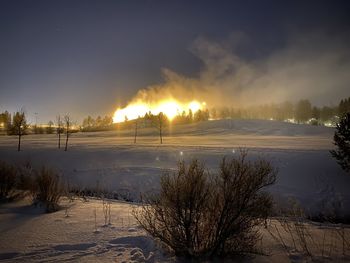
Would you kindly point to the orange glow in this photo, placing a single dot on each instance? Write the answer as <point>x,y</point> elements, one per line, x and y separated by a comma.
<point>169,108</point>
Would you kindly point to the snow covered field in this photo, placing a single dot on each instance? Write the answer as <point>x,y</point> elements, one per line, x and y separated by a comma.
<point>111,161</point>
<point>28,235</point>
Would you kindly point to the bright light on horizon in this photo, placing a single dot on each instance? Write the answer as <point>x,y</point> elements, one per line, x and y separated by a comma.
<point>170,108</point>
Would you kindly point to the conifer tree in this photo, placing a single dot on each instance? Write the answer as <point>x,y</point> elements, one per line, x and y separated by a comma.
<point>342,141</point>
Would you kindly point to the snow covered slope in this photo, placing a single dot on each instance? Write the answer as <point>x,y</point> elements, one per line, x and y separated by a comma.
<point>110,160</point>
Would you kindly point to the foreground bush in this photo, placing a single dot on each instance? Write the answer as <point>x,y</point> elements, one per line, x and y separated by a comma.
<point>7,179</point>
<point>26,177</point>
<point>199,215</point>
<point>47,189</point>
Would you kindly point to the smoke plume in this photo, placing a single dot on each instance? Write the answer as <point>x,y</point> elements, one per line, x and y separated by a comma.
<point>314,66</point>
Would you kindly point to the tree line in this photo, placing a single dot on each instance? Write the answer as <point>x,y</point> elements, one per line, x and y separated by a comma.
<point>98,124</point>
<point>106,123</point>
<point>17,125</point>
<point>300,112</point>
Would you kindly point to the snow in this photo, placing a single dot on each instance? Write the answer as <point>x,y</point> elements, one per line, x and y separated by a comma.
<point>29,235</point>
<point>111,161</point>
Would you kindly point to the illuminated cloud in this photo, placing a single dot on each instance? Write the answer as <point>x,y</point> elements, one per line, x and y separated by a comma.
<point>314,66</point>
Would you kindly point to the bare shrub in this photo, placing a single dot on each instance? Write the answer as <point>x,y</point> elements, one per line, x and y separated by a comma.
<point>48,189</point>
<point>199,215</point>
<point>26,176</point>
<point>297,235</point>
<point>7,179</point>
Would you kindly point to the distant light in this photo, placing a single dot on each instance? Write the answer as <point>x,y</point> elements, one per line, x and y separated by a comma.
<point>233,151</point>
<point>194,106</point>
<point>181,153</point>
<point>169,107</point>
<point>157,158</point>
<point>292,120</point>
<point>329,124</point>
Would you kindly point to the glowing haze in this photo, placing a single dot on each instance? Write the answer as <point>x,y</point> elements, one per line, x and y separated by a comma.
<point>314,66</point>
<point>169,108</point>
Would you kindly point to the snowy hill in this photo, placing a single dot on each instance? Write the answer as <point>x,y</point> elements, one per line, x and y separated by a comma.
<point>111,160</point>
<point>245,127</point>
<point>257,127</point>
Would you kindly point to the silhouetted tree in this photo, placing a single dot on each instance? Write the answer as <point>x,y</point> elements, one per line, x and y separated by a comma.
<point>224,113</point>
<point>59,130</point>
<point>160,126</point>
<point>190,116</point>
<point>19,126</point>
<point>49,128</point>
<point>38,129</point>
<point>157,121</point>
<point>180,118</point>
<point>287,110</point>
<point>5,121</point>
<point>344,107</point>
<point>98,121</point>
<point>107,121</point>
<point>200,115</point>
<point>88,122</point>
<point>326,113</point>
<point>68,123</point>
<point>342,141</point>
<point>135,135</point>
<point>303,111</point>
<point>100,124</point>
<point>316,113</point>
<point>197,116</point>
<point>213,113</point>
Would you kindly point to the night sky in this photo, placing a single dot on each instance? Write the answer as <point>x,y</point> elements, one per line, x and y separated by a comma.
<point>88,57</point>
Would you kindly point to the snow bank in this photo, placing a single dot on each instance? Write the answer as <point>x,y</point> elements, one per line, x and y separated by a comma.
<point>28,235</point>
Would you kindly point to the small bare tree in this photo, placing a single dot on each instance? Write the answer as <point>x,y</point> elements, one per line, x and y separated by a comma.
<point>68,124</point>
<point>136,122</point>
<point>160,126</point>
<point>59,130</point>
<point>158,121</point>
<point>19,126</point>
